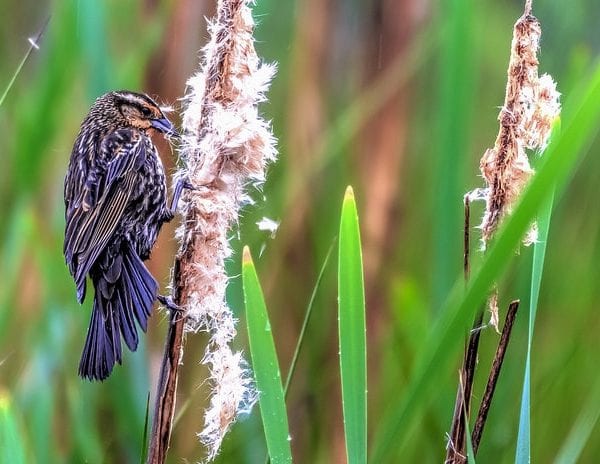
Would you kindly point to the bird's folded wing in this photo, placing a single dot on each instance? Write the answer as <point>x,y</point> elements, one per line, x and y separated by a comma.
<point>90,228</point>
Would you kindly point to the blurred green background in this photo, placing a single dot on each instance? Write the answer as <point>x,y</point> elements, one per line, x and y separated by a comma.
<point>398,98</point>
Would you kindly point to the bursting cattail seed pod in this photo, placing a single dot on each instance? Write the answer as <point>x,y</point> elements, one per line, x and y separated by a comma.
<point>530,108</point>
<point>226,147</point>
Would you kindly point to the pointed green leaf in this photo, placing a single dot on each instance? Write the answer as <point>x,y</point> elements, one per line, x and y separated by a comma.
<point>353,349</point>
<point>266,367</point>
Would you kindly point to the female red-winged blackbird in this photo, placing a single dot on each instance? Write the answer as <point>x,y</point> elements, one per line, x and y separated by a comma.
<point>115,200</point>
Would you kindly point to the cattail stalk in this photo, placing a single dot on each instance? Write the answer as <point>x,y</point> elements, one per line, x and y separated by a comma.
<point>531,106</point>
<point>226,147</point>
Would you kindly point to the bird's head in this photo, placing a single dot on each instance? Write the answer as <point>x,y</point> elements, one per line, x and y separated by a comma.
<point>140,111</point>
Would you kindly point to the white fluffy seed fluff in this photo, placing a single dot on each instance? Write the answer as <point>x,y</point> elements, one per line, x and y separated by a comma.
<point>226,147</point>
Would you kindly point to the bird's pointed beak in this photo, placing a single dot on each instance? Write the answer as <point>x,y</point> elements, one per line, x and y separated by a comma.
<point>165,126</point>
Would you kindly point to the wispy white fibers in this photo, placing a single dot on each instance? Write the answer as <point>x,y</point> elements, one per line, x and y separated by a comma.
<point>226,147</point>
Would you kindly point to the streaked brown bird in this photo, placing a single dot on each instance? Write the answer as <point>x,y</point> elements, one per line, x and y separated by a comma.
<point>115,205</point>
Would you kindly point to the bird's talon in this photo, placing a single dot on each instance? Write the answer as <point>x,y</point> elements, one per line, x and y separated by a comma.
<point>167,302</point>
<point>186,184</point>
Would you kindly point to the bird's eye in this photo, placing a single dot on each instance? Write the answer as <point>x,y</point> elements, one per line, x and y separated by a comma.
<point>146,112</point>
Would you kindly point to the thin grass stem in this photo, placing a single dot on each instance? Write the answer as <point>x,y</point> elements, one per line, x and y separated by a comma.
<point>33,45</point>
<point>309,309</point>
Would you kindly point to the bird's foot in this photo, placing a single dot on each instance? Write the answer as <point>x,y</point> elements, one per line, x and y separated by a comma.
<point>181,184</point>
<point>167,302</point>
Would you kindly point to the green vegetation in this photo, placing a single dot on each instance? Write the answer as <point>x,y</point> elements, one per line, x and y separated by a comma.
<point>265,367</point>
<point>352,332</point>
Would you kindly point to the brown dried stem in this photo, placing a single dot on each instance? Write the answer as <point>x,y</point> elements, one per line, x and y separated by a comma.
<point>456,445</point>
<point>494,374</point>
<point>529,110</point>
<point>164,408</point>
<point>467,239</point>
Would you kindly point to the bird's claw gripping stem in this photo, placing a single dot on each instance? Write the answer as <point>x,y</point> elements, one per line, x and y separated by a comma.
<point>167,301</point>
<point>181,184</point>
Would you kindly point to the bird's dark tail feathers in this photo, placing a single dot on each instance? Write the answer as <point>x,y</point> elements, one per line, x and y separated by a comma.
<point>125,292</point>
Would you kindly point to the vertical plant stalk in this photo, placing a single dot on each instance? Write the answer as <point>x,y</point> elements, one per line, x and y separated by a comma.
<point>490,387</point>
<point>467,240</point>
<point>226,146</point>
<point>166,389</point>
<point>455,452</point>
<point>462,407</point>
<point>526,118</point>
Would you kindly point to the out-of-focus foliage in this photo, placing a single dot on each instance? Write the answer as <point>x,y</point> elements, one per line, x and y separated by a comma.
<point>398,99</point>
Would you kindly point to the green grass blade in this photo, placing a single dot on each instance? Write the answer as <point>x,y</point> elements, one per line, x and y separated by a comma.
<point>470,451</point>
<point>523,454</point>
<point>265,365</point>
<point>453,120</point>
<point>144,447</point>
<point>301,336</point>
<point>582,120</point>
<point>353,350</point>
<point>12,446</point>
<point>582,429</point>
<point>307,315</point>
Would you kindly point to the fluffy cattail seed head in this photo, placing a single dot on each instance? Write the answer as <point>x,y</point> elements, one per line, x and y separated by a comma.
<point>530,108</point>
<point>226,147</point>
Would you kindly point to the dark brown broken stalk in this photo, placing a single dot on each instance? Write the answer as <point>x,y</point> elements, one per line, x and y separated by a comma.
<point>490,387</point>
